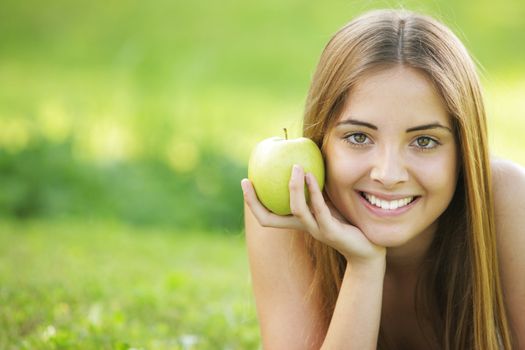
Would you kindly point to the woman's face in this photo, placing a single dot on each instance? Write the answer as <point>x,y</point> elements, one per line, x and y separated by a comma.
<point>391,157</point>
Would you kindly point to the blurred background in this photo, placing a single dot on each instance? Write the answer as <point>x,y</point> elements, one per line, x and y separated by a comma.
<point>125,129</point>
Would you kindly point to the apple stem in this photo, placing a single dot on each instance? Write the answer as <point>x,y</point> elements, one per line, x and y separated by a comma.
<point>285,133</point>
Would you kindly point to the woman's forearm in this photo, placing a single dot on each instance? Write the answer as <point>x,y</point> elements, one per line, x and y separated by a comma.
<point>357,315</point>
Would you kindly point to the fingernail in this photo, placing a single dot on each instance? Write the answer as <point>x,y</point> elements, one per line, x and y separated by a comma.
<point>243,185</point>
<point>311,180</point>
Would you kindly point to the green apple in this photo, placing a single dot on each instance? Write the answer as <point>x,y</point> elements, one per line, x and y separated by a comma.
<point>270,169</point>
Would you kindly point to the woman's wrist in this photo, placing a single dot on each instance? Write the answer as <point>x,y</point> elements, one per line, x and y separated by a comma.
<point>369,266</point>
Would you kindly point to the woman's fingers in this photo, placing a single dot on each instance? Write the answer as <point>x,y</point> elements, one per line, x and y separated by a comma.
<point>264,216</point>
<point>335,213</point>
<point>298,204</point>
<point>320,210</point>
<point>317,202</point>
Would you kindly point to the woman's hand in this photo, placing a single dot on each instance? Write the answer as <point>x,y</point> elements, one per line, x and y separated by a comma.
<point>320,219</point>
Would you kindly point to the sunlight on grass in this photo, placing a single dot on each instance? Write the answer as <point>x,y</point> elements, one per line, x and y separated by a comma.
<point>105,286</point>
<point>107,139</point>
<point>15,134</point>
<point>54,122</point>
<point>182,154</point>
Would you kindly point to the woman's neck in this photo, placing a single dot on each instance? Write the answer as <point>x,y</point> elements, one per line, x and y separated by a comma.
<point>407,260</point>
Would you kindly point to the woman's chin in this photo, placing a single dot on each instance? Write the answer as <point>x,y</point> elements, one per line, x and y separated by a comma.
<point>388,236</point>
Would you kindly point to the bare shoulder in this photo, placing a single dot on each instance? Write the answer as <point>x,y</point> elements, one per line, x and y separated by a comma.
<point>509,188</point>
<point>509,207</point>
<point>509,203</point>
<point>282,271</point>
<point>507,175</point>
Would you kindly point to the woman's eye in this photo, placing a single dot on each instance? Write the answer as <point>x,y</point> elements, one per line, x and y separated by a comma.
<point>426,142</point>
<point>358,139</point>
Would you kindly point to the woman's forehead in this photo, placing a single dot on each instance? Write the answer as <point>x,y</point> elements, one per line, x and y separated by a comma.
<point>395,94</point>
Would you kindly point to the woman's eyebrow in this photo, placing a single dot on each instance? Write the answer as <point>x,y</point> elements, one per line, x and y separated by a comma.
<point>357,122</point>
<point>352,121</point>
<point>429,126</point>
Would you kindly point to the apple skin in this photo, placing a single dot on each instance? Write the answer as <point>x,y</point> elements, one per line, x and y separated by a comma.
<point>270,169</point>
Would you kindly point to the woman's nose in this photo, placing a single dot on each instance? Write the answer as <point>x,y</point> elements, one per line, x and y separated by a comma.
<point>389,169</point>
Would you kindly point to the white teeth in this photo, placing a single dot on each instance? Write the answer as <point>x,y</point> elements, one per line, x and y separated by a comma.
<point>388,205</point>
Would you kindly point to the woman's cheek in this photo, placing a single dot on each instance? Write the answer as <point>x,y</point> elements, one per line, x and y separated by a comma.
<point>438,173</point>
<point>342,177</point>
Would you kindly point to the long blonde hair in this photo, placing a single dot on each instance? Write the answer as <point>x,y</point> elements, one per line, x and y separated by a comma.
<point>462,279</point>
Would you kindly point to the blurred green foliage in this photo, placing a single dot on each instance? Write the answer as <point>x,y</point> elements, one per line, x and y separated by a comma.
<point>146,111</point>
<point>45,180</point>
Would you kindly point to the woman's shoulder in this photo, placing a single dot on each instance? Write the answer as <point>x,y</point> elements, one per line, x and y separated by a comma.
<point>508,180</point>
<point>504,167</point>
<point>509,209</point>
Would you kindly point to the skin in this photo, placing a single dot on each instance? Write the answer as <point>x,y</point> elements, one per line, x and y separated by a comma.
<point>509,182</point>
<point>381,144</point>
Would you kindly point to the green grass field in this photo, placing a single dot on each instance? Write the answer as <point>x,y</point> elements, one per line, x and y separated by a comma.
<point>76,285</point>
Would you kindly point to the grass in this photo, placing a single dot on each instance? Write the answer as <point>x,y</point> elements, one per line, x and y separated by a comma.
<point>107,286</point>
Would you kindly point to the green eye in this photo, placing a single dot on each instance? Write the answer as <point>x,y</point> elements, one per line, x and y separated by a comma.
<point>359,138</point>
<point>423,141</point>
<point>426,142</point>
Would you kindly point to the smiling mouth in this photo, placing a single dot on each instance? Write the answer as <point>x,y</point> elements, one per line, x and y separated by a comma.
<point>388,205</point>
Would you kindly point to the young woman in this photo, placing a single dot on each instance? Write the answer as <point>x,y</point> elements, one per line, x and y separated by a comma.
<point>416,241</point>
